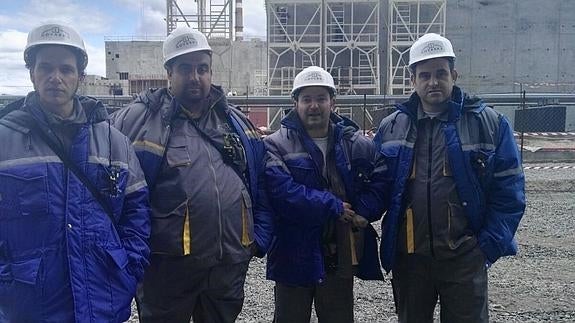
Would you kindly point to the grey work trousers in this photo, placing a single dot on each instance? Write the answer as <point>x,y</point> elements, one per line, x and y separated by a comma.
<point>460,283</point>
<point>333,300</point>
<point>173,291</point>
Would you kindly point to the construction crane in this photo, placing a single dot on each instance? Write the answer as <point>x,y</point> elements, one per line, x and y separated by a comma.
<point>214,18</point>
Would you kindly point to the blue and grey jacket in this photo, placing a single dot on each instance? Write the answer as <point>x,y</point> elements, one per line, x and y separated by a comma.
<point>485,164</point>
<point>62,258</point>
<point>201,207</point>
<point>303,204</point>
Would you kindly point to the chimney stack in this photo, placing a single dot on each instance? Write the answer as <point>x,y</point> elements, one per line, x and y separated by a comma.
<point>239,20</point>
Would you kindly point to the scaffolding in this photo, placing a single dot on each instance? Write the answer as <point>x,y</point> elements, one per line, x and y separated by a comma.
<point>212,17</point>
<point>260,82</point>
<point>408,20</point>
<point>338,35</point>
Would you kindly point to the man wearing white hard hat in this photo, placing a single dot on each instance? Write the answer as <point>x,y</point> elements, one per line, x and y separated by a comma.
<point>325,187</point>
<point>458,195</point>
<point>202,158</point>
<point>74,212</point>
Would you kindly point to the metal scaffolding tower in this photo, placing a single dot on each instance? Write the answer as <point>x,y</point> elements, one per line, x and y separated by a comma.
<point>339,35</point>
<point>211,17</point>
<point>408,20</point>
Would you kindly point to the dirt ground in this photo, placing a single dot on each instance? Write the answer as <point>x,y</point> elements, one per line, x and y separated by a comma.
<point>537,285</point>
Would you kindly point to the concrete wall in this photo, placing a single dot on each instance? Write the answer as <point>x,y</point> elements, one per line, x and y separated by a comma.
<point>142,59</point>
<point>95,85</point>
<point>234,64</point>
<point>502,43</point>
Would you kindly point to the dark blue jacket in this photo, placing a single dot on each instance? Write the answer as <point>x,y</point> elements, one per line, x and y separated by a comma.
<point>485,164</point>
<point>303,204</point>
<point>62,259</point>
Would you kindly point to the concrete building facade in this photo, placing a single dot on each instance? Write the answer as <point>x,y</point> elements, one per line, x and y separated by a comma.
<point>502,46</point>
<point>95,85</point>
<point>239,66</point>
<point>136,61</point>
<point>505,45</point>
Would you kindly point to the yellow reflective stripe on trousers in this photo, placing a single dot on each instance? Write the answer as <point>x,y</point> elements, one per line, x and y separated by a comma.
<point>187,239</point>
<point>354,260</point>
<point>245,230</point>
<point>409,227</point>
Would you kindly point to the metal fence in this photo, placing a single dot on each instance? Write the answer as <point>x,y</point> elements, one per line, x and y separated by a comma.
<point>527,112</point>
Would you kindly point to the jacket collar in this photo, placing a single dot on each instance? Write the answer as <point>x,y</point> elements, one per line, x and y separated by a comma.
<point>94,109</point>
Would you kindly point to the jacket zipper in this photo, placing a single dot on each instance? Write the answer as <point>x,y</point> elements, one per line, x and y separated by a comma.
<point>220,225</point>
<point>429,161</point>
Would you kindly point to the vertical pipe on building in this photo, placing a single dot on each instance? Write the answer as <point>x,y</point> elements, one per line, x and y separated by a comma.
<point>169,16</point>
<point>202,16</point>
<point>239,20</point>
<point>323,34</point>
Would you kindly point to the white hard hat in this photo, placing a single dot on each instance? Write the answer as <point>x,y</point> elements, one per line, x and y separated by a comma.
<point>430,46</point>
<point>184,40</point>
<point>313,76</point>
<point>55,34</point>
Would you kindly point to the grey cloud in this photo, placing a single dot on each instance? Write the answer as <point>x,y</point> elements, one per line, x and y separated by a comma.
<point>84,17</point>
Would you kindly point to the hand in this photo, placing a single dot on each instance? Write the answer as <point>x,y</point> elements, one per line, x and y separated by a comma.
<point>348,213</point>
<point>359,221</point>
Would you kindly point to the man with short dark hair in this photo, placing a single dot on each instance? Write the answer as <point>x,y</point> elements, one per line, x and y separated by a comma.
<point>74,212</point>
<point>202,158</point>
<point>458,195</point>
<point>325,187</point>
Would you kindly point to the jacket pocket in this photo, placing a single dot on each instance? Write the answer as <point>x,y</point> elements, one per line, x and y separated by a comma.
<point>177,154</point>
<point>390,155</point>
<point>457,226</point>
<point>119,256</point>
<point>111,182</point>
<point>22,271</point>
<point>168,230</point>
<point>23,194</point>
<point>482,162</point>
<point>304,175</point>
<point>111,284</point>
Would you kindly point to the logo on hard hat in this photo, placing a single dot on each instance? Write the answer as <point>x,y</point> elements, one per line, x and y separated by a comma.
<point>55,32</point>
<point>313,76</point>
<point>187,41</point>
<point>432,47</point>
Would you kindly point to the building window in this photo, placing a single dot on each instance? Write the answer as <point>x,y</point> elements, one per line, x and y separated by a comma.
<point>123,75</point>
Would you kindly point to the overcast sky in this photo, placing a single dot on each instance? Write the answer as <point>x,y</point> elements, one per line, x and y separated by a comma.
<point>94,20</point>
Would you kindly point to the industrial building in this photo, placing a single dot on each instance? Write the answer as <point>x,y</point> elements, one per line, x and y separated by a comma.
<point>140,64</point>
<point>502,46</point>
<point>239,65</point>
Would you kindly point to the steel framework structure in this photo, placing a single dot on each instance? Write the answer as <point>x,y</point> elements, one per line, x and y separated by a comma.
<point>212,17</point>
<point>408,20</point>
<point>339,35</point>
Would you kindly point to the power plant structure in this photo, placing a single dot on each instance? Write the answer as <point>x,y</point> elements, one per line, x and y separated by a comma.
<point>239,64</point>
<point>502,46</point>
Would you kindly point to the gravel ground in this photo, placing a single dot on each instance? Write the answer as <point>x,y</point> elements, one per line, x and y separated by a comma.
<point>537,285</point>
